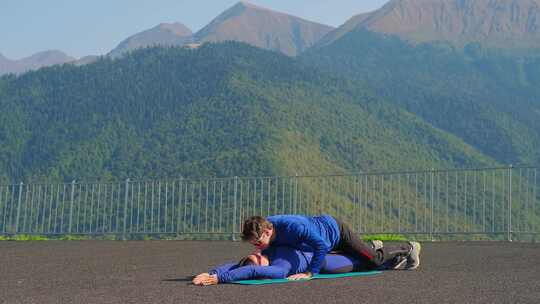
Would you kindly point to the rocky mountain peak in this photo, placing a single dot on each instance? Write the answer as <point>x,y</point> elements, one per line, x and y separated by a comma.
<point>493,23</point>
<point>175,28</point>
<point>243,22</point>
<point>264,28</point>
<point>50,56</point>
<point>247,4</point>
<point>33,62</point>
<point>169,34</point>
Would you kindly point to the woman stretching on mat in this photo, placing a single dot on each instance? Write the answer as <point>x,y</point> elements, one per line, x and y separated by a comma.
<point>279,263</point>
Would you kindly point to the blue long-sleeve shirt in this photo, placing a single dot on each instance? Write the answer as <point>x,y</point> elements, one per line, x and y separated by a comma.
<point>318,234</point>
<point>284,261</point>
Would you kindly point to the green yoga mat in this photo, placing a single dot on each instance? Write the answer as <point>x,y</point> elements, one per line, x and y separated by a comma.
<point>318,276</point>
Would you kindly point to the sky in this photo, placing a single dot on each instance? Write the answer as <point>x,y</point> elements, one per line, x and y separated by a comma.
<point>83,27</point>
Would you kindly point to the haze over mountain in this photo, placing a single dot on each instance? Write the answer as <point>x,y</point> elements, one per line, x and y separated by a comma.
<point>86,60</point>
<point>506,24</point>
<point>34,62</point>
<point>168,34</point>
<point>5,64</point>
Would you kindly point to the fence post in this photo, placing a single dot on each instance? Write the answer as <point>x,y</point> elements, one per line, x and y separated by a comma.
<point>125,206</point>
<point>18,208</point>
<point>71,205</point>
<point>432,194</point>
<point>180,197</point>
<point>509,228</point>
<point>295,193</point>
<point>234,208</point>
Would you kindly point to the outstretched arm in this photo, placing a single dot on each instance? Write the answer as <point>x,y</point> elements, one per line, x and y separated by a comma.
<point>240,273</point>
<point>224,268</point>
<point>252,272</point>
<point>210,278</point>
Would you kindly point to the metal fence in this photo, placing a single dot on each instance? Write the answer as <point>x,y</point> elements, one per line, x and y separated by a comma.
<point>495,202</point>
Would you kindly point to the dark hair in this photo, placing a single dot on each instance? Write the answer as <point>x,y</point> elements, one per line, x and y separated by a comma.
<point>254,227</point>
<point>245,261</point>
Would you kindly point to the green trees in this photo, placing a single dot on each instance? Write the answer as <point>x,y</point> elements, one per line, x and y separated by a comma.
<point>221,110</point>
<point>488,98</point>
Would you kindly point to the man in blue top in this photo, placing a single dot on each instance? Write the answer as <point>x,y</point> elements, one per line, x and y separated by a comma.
<point>320,235</point>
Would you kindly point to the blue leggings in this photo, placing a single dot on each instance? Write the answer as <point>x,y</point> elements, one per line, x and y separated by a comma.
<point>340,263</point>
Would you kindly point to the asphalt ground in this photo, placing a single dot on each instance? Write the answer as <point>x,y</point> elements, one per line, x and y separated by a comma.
<point>160,271</point>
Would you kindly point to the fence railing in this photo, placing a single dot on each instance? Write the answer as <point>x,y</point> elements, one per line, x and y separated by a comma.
<point>496,202</point>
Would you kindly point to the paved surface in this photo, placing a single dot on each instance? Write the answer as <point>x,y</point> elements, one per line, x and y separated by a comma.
<point>156,271</point>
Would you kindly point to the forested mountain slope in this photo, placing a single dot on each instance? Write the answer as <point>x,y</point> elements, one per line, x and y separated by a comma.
<point>489,98</point>
<point>220,110</point>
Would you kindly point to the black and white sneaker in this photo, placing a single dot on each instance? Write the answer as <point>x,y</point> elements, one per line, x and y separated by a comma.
<point>413,259</point>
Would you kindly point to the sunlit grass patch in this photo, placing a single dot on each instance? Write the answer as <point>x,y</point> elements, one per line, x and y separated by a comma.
<point>384,237</point>
<point>24,237</point>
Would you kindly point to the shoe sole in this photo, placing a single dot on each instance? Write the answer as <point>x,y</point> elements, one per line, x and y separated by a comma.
<point>400,265</point>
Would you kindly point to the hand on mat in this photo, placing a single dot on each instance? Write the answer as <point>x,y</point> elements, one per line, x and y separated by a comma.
<point>300,276</point>
<point>205,279</point>
<point>198,279</point>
